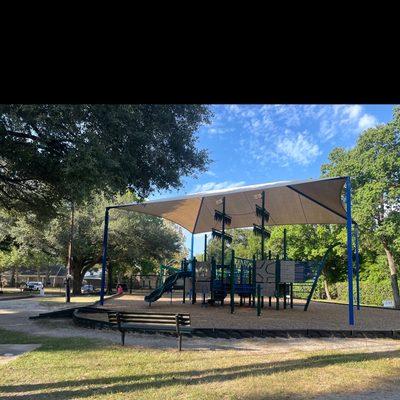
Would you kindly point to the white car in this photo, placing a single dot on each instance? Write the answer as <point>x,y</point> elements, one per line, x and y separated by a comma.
<point>34,285</point>
<point>87,289</point>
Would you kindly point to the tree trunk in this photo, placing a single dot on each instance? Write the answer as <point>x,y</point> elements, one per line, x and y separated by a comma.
<point>326,288</point>
<point>78,275</point>
<point>12,279</point>
<point>393,277</point>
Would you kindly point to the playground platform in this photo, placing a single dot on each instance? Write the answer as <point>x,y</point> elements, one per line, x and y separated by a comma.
<point>320,316</point>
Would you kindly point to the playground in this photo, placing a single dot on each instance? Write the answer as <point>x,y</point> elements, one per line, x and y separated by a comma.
<point>258,293</point>
<point>290,345</point>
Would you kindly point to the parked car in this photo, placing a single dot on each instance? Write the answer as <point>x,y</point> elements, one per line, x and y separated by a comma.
<point>30,286</point>
<point>88,289</point>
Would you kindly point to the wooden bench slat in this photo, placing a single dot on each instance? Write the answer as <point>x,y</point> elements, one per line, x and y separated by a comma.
<point>165,328</point>
<point>147,313</point>
<point>147,321</point>
<point>172,320</point>
<point>150,321</point>
<point>154,316</point>
<point>171,317</point>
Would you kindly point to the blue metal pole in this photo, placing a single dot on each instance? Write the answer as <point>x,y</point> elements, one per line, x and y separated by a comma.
<point>357,267</point>
<point>192,247</point>
<point>104,258</point>
<point>349,251</point>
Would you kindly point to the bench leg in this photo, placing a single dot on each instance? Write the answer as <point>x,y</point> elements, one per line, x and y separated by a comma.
<point>123,338</point>
<point>180,342</point>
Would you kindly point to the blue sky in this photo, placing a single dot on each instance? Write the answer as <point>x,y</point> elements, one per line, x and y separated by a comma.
<point>264,143</point>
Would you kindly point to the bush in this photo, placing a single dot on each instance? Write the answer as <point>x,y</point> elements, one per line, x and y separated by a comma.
<point>371,293</point>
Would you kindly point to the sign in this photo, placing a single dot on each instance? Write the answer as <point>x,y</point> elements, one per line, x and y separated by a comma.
<point>203,276</point>
<point>266,277</point>
<point>388,303</point>
<point>288,271</point>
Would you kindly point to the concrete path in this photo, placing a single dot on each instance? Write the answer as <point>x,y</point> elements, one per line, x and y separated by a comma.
<point>9,352</point>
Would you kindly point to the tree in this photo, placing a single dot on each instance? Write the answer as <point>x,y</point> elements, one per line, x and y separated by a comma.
<point>244,242</point>
<point>50,154</point>
<point>134,238</point>
<point>374,167</point>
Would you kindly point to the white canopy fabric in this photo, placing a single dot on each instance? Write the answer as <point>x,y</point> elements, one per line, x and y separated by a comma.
<point>314,201</point>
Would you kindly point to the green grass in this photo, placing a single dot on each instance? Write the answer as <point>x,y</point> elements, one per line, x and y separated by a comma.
<point>75,300</point>
<point>76,368</point>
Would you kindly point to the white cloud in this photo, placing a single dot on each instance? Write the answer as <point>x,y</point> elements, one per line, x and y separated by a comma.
<point>280,134</point>
<point>367,121</point>
<point>299,149</point>
<point>327,129</point>
<point>345,120</point>
<point>248,113</point>
<point>234,108</point>
<point>210,173</point>
<point>205,187</point>
<point>218,131</point>
<point>352,111</point>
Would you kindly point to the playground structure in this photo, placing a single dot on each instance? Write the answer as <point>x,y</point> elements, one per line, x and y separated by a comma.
<point>247,279</point>
<point>281,203</point>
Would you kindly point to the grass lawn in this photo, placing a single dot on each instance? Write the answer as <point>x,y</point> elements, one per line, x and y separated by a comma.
<point>75,300</point>
<point>75,368</point>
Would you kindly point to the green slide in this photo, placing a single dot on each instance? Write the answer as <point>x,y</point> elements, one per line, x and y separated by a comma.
<point>166,286</point>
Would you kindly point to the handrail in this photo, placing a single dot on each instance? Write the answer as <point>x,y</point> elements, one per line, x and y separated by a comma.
<point>319,271</point>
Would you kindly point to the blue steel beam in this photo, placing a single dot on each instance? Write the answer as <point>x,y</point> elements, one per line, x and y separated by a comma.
<point>192,247</point>
<point>349,251</point>
<point>104,257</point>
<point>357,267</point>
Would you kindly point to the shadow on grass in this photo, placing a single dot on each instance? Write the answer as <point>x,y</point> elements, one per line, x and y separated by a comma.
<point>134,383</point>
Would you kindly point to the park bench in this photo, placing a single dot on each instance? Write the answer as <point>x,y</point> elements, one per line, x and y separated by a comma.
<point>145,321</point>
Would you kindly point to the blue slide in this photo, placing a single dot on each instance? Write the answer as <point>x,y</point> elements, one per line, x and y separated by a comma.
<point>166,286</point>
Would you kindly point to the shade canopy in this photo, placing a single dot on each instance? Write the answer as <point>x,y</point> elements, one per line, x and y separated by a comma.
<point>314,201</point>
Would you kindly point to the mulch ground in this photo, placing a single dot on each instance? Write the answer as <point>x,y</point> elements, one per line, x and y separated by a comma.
<point>320,316</point>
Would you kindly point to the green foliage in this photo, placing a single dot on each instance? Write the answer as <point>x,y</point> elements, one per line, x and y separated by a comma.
<point>372,292</point>
<point>244,242</point>
<point>374,167</point>
<point>51,153</point>
<point>136,240</point>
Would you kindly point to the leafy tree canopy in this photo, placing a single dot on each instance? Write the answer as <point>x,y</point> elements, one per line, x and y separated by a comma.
<point>374,167</point>
<point>134,239</point>
<point>50,153</point>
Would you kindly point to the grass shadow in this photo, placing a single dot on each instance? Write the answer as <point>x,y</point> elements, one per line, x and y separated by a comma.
<point>135,383</point>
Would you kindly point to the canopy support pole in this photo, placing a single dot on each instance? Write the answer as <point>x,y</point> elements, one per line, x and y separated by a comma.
<point>349,251</point>
<point>223,242</point>
<point>192,247</point>
<point>205,248</point>
<point>262,223</point>
<point>104,257</point>
<point>357,267</point>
